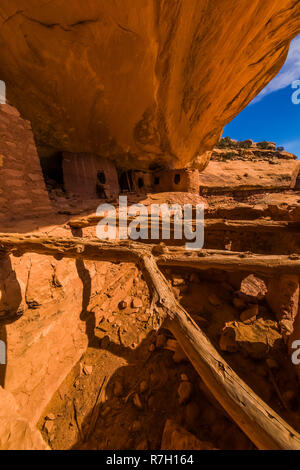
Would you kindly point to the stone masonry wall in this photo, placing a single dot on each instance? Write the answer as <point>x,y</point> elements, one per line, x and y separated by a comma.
<point>177,180</point>
<point>81,175</point>
<point>22,187</point>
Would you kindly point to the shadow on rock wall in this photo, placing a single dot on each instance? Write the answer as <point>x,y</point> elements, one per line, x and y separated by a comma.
<point>10,302</point>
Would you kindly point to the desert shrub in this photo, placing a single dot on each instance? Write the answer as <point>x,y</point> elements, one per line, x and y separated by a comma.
<point>246,144</point>
<point>225,142</point>
<point>263,145</point>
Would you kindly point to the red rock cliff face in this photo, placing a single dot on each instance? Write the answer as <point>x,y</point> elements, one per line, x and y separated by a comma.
<point>140,81</point>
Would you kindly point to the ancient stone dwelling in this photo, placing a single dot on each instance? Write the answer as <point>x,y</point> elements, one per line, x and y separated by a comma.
<point>91,176</point>
<point>247,167</point>
<point>176,180</point>
<point>22,187</point>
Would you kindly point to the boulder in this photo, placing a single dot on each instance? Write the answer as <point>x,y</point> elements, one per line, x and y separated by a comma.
<point>256,339</point>
<point>283,299</point>
<point>253,288</point>
<point>250,314</point>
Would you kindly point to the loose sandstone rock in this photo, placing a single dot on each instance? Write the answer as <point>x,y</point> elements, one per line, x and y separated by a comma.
<point>176,437</point>
<point>49,427</point>
<point>160,341</point>
<point>137,401</point>
<point>118,389</point>
<point>250,314</point>
<point>136,303</point>
<point>184,392</point>
<point>177,280</point>
<point>87,370</point>
<point>227,341</point>
<point>283,298</point>
<point>179,355</point>
<point>255,339</point>
<point>171,345</point>
<point>253,288</point>
<point>144,386</point>
<point>184,378</point>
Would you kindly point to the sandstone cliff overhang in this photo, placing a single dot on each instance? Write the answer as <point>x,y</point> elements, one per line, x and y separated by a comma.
<point>145,82</point>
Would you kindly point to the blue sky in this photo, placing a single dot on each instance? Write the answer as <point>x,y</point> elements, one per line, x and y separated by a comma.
<point>272,116</point>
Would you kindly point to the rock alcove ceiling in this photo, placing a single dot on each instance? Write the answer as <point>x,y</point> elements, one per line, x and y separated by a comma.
<point>144,85</point>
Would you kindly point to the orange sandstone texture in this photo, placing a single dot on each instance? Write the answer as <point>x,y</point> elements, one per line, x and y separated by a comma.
<point>16,432</point>
<point>143,82</point>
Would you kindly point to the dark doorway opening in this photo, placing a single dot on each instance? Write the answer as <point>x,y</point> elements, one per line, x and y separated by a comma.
<point>52,168</point>
<point>140,183</point>
<point>177,179</point>
<point>125,181</point>
<point>101,177</point>
<point>101,180</point>
<point>157,180</point>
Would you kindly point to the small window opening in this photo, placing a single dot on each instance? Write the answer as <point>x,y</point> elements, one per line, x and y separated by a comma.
<point>156,180</point>
<point>140,183</point>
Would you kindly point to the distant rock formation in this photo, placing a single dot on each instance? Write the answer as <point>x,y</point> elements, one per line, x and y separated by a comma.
<point>248,166</point>
<point>247,150</point>
<point>145,82</point>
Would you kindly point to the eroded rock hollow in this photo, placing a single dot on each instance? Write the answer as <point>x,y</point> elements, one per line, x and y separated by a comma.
<point>145,83</point>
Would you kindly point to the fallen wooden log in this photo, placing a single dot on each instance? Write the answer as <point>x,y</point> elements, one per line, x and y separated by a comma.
<point>260,423</point>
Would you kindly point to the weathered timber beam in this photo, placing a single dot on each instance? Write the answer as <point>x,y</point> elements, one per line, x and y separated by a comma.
<point>267,266</point>
<point>211,224</point>
<point>127,251</point>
